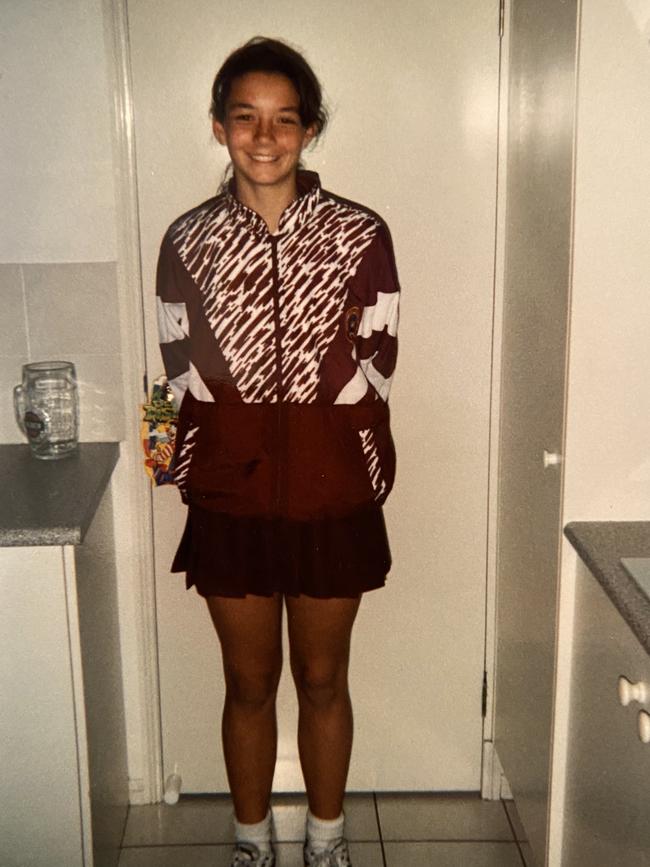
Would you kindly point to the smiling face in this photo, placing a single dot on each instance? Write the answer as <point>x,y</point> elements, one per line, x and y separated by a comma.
<point>263,132</point>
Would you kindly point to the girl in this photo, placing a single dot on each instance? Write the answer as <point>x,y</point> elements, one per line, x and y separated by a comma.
<point>278,313</point>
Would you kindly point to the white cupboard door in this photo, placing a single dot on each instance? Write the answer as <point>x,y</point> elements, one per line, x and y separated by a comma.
<point>606,818</point>
<point>45,803</point>
<point>412,89</point>
<point>542,51</point>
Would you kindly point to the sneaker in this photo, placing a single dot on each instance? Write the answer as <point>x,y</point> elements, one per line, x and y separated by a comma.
<point>248,855</point>
<point>337,854</point>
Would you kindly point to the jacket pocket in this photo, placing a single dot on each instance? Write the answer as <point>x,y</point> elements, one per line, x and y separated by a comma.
<point>186,440</point>
<point>322,465</point>
<point>378,451</point>
<point>224,461</point>
<point>373,465</point>
<point>338,458</point>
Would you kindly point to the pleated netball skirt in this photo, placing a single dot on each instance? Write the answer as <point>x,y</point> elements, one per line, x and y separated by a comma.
<point>226,555</point>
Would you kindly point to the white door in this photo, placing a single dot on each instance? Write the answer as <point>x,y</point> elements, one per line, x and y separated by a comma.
<point>534,361</point>
<point>412,88</point>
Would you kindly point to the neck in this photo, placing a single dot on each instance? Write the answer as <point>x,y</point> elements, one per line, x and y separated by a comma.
<point>269,202</point>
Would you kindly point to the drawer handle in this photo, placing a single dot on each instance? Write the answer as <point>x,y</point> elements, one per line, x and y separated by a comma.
<point>644,726</point>
<point>628,691</point>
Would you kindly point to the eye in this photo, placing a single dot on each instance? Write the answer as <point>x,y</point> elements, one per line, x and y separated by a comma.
<point>243,116</point>
<point>289,120</point>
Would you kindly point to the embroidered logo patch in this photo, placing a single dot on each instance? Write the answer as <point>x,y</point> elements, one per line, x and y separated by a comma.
<point>352,317</point>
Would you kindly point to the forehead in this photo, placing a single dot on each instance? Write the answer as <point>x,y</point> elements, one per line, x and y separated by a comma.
<point>256,87</point>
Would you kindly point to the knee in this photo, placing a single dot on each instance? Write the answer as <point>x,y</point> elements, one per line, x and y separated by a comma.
<point>252,687</point>
<point>320,685</point>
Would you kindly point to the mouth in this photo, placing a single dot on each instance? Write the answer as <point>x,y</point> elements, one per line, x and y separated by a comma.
<point>263,158</point>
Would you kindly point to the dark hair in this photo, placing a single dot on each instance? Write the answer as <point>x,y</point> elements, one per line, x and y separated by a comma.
<point>270,55</point>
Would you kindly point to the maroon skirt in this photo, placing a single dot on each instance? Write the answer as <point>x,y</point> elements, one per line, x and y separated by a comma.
<point>226,555</point>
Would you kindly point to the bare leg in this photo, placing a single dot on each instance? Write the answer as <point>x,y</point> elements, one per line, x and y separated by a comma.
<point>319,637</point>
<point>250,633</point>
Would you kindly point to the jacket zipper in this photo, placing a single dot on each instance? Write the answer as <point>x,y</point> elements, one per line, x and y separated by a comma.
<point>278,373</point>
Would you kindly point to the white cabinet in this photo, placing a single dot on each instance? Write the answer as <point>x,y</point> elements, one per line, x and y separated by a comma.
<point>607,812</point>
<point>577,182</point>
<point>44,807</point>
<point>64,795</point>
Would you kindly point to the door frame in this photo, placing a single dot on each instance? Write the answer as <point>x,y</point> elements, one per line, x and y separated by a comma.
<point>134,524</point>
<point>494,785</point>
<point>134,518</point>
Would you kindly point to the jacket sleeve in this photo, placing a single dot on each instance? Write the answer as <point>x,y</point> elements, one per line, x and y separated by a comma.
<point>377,334</point>
<point>173,325</point>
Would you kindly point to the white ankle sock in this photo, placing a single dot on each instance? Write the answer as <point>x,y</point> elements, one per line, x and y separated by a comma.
<point>258,833</point>
<point>322,832</point>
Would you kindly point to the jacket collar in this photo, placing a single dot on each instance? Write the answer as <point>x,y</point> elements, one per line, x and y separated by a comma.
<point>294,215</point>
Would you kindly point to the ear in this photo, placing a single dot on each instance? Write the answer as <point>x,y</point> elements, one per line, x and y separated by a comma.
<point>309,135</point>
<point>219,131</point>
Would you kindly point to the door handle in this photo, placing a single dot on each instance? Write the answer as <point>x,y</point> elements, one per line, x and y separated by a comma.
<point>551,459</point>
<point>644,726</point>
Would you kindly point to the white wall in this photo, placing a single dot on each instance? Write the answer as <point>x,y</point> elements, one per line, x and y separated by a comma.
<point>63,310</point>
<point>58,248</point>
<point>56,172</point>
<point>608,425</point>
<point>58,282</point>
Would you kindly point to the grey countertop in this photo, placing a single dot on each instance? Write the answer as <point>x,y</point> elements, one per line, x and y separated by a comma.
<point>601,544</point>
<point>52,502</point>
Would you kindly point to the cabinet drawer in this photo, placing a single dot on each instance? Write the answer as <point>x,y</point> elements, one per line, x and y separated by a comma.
<point>607,816</point>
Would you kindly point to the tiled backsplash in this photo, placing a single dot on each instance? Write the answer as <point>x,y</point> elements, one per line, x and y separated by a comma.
<point>63,312</point>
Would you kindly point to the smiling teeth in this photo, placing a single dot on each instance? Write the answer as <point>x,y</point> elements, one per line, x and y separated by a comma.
<point>262,158</point>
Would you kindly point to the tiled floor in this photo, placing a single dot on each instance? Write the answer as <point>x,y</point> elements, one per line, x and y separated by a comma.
<point>384,831</point>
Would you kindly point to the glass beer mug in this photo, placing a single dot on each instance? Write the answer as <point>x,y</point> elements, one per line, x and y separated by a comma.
<point>47,408</point>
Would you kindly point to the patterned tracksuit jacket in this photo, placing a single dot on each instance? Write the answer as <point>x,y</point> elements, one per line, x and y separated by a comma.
<point>280,350</point>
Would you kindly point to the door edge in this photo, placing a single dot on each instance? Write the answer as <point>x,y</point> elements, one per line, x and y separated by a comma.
<point>134,524</point>
<point>488,786</point>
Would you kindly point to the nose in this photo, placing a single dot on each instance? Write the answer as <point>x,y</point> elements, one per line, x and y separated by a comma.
<point>264,130</point>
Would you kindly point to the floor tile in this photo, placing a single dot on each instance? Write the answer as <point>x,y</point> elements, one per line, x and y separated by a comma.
<point>287,855</point>
<point>176,856</point>
<point>209,820</point>
<point>289,813</point>
<point>452,854</point>
<point>362,855</point>
<point>511,810</point>
<point>190,821</point>
<point>441,817</point>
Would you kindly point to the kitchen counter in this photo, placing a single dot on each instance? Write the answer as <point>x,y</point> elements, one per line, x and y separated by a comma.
<point>52,502</point>
<point>601,544</point>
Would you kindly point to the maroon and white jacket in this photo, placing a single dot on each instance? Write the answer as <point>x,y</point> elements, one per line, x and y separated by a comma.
<point>280,350</point>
